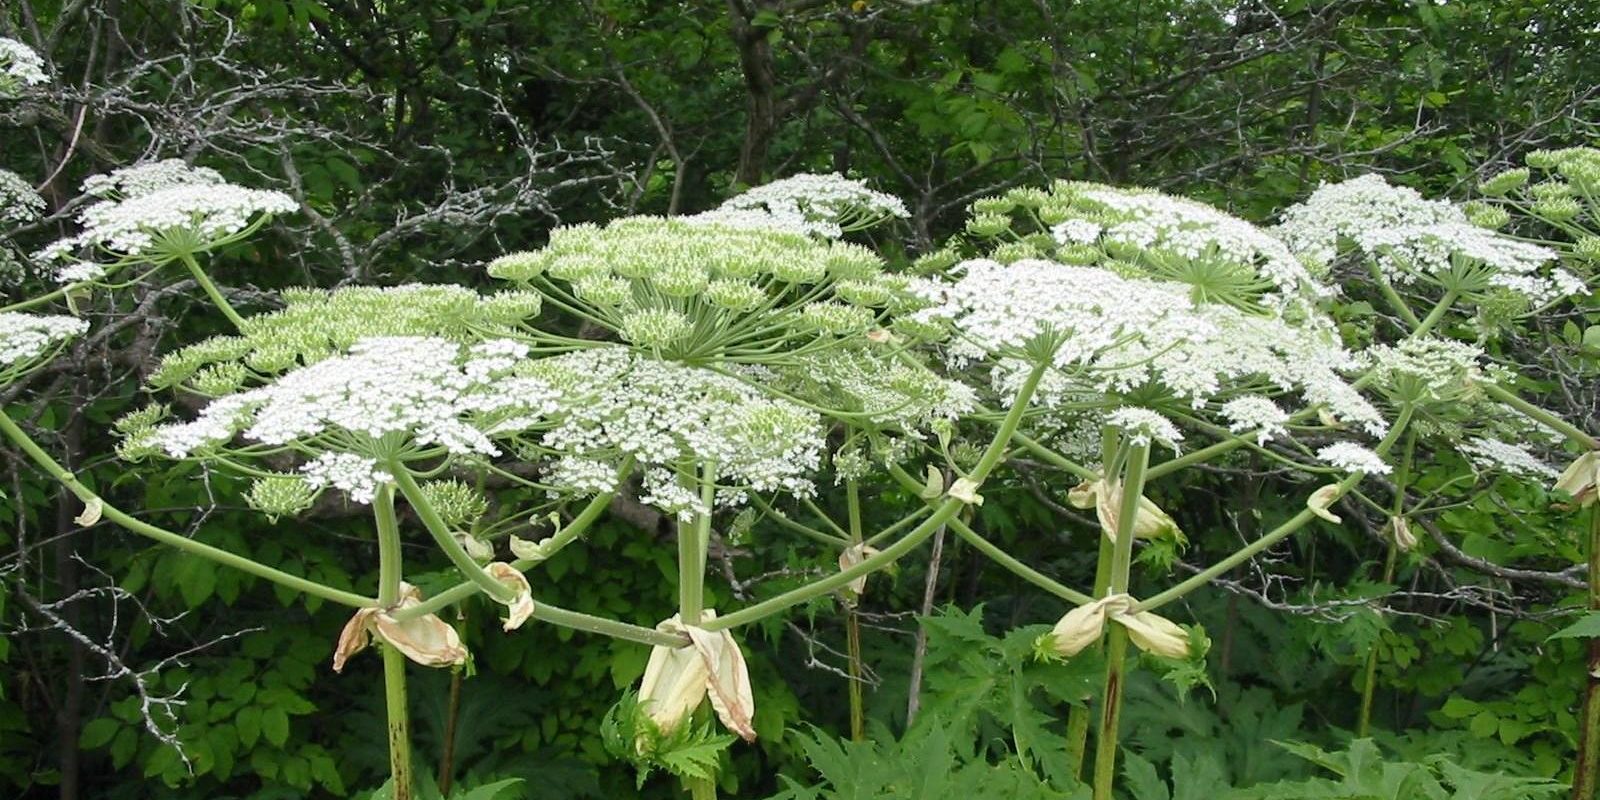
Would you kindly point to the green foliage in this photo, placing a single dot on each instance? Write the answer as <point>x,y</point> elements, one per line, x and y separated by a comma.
<point>932,762</point>
<point>692,751</point>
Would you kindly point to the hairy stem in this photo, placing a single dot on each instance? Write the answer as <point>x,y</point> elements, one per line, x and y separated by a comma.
<point>1078,716</point>
<point>1369,680</point>
<point>1106,738</point>
<point>461,591</point>
<point>394,662</point>
<point>1269,539</point>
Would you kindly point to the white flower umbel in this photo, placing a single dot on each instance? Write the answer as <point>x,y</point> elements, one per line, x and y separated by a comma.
<point>390,399</point>
<point>1110,334</point>
<point>162,212</point>
<point>1352,457</point>
<point>358,476</point>
<point>1141,426</point>
<point>1073,314</point>
<point>24,338</point>
<point>1426,369</point>
<point>1221,257</point>
<point>827,206</point>
<point>879,392</point>
<point>672,419</point>
<point>143,179</point>
<point>1256,413</point>
<point>1492,455</point>
<point>18,201</point>
<point>20,67</point>
<point>1411,238</point>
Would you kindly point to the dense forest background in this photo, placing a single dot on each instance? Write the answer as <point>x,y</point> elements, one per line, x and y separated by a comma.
<point>422,137</point>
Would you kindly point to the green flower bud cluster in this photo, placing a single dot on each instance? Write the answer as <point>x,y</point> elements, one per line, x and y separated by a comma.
<point>317,324</point>
<point>692,289</point>
<point>281,495</point>
<point>458,504</point>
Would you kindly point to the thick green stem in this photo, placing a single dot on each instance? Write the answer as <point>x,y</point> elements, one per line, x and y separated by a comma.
<point>181,542</point>
<point>1586,771</point>
<point>694,537</point>
<point>1106,738</point>
<point>1078,716</point>
<point>213,292</point>
<point>701,788</point>
<point>1537,414</point>
<point>1436,315</point>
<point>1369,678</point>
<point>447,540</point>
<point>579,525</point>
<point>394,662</point>
<point>1389,294</point>
<point>941,515</point>
<point>858,714</point>
<point>394,695</point>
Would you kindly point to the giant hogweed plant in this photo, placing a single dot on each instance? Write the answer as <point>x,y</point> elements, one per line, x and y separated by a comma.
<point>717,364</point>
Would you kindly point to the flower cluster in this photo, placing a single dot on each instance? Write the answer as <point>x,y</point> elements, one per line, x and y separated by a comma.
<point>1566,200</point>
<point>1503,457</point>
<point>1426,370</point>
<point>149,178</point>
<point>826,206</point>
<point>1352,457</point>
<point>18,201</point>
<point>670,419</point>
<point>1221,257</point>
<point>20,67</point>
<point>390,399</point>
<point>1256,413</point>
<point>26,337</point>
<point>1141,425</point>
<point>1411,238</point>
<point>159,212</point>
<point>316,324</point>
<point>1105,333</point>
<point>693,291</point>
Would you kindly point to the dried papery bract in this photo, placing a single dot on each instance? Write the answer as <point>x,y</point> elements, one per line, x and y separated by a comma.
<point>851,556</point>
<point>1105,499</point>
<point>1581,479</point>
<point>677,679</point>
<point>1323,498</point>
<point>427,640</point>
<point>1083,626</point>
<point>521,605</point>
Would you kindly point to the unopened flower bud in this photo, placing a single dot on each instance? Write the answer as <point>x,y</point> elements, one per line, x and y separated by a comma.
<point>1082,626</point>
<point>676,679</point>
